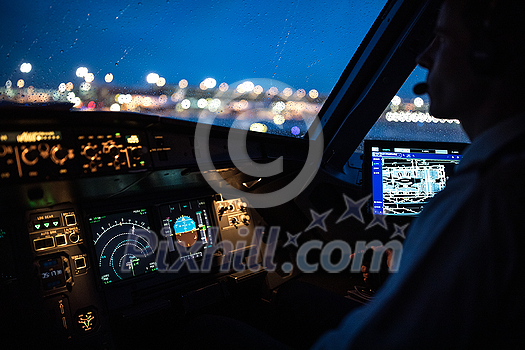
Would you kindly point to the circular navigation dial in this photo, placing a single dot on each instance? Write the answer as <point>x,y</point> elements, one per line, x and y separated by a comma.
<point>122,243</point>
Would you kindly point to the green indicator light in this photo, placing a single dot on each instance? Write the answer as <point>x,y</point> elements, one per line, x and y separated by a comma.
<point>46,224</point>
<point>37,226</point>
<point>142,162</point>
<point>55,223</point>
<point>117,134</point>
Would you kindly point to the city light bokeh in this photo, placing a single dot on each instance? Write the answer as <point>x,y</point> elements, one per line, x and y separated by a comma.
<point>265,69</point>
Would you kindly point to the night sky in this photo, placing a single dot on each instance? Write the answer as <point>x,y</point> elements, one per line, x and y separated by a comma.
<point>305,44</point>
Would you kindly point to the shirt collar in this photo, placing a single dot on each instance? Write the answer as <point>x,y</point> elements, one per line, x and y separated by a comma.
<point>492,140</point>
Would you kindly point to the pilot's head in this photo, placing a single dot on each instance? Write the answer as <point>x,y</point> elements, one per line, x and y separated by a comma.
<point>476,62</point>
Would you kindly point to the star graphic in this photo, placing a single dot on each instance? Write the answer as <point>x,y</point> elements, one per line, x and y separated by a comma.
<point>353,209</point>
<point>318,220</point>
<point>378,220</point>
<point>399,231</point>
<point>292,239</point>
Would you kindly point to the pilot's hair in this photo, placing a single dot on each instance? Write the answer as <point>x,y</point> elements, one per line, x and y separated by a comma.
<point>498,29</point>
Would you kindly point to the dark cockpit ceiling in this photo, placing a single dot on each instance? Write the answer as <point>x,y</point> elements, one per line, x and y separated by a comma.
<point>74,168</point>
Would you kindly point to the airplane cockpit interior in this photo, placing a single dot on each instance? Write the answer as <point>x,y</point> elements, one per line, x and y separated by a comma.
<point>161,160</point>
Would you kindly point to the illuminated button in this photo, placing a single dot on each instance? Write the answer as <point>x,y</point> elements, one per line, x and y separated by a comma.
<point>70,219</point>
<point>38,226</point>
<point>44,243</point>
<point>60,240</point>
<point>87,320</point>
<point>132,139</point>
<point>80,263</point>
<point>47,224</point>
<point>55,223</point>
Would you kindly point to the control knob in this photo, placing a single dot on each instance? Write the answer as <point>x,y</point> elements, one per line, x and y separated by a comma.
<point>43,149</point>
<point>30,155</point>
<point>90,152</point>
<point>74,237</point>
<point>3,151</point>
<point>59,155</point>
<point>136,152</point>
<point>245,219</point>
<point>243,206</point>
<point>113,151</point>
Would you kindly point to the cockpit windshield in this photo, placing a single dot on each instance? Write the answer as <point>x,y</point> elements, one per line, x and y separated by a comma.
<point>407,118</point>
<point>266,66</point>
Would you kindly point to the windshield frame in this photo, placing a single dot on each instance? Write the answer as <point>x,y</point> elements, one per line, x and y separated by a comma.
<point>374,75</point>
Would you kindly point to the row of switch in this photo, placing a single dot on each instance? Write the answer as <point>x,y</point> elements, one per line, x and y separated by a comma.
<point>55,241</point>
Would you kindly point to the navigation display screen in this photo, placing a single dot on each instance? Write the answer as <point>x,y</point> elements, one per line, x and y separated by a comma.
<point>404,176</point>
<point>186,224</point>
<point>122,244</point>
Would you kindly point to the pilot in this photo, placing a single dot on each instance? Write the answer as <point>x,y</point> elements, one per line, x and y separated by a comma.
<point>460,280</point>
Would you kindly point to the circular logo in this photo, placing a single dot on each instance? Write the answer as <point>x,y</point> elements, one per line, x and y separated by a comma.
<point>238,151</point>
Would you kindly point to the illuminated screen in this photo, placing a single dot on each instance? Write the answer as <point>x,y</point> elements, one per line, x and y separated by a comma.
<point>404,176</point>
<point>122,245</point>
<point>186,225</point>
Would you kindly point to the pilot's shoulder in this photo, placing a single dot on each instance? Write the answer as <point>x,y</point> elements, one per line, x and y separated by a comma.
<point>504,180</point>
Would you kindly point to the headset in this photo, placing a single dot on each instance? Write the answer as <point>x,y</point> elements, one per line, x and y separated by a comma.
<point>483,56</point>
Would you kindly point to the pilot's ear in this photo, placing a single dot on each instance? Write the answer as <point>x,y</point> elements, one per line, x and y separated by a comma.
<point>484,57</point>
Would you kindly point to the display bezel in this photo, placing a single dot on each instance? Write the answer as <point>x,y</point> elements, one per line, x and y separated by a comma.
<point>383,145</point>
<point>124,213</point>
<point>197,250</point>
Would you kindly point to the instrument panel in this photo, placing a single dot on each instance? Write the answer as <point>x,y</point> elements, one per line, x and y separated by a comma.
<point>59,154</point>
<point>106,217</point>
<point>91,262</point>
